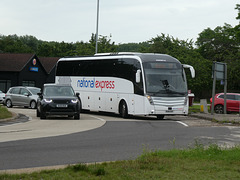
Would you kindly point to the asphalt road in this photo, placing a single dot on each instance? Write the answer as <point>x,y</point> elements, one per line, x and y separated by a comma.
<point>113,139</point>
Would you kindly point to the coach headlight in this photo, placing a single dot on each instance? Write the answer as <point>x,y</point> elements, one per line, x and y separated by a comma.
<point>150,100</point>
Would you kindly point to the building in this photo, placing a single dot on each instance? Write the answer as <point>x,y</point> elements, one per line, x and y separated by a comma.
<point>49,64</point>
<point>25,70</point>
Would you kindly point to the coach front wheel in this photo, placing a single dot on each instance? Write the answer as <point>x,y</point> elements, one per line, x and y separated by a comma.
<point>123,110</point>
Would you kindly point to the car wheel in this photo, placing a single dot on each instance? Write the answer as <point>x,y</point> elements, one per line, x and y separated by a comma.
<point>42,116</point>
<point>219,109</point>
<point>33,105</point>
<point>123,110</point>
<point>160,117</point>
<point>9,103</point>
<point>77,116</point>
<point>38,113</point>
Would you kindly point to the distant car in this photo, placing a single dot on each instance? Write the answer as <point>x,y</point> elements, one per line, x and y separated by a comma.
<point>2,96</point>
<point>58,100</point>
<point>232,101</point>
<point>22,96</point>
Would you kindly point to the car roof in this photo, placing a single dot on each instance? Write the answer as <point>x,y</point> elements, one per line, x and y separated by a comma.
<point>228,94</point>
<point>24,87</point>
<point>66,85</point>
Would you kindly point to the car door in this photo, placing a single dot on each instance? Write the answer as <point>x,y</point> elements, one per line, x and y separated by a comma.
<point>24,97</point>
<point>237,97</point>
<point>236,103</point>
<point>231,102</point>
<point>14,96</point>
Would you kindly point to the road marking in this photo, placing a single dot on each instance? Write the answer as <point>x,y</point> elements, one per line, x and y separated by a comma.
<point>180,122</point>
<point>103,120</point>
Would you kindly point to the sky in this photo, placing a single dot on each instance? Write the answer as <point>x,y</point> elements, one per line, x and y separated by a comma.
<point>123,21</point>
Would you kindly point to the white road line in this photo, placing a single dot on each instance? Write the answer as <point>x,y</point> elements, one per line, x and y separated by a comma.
<point>180,122</point>
<point>103,120</point>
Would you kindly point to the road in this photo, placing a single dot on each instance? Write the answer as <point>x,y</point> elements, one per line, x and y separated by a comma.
<point>61,141</point>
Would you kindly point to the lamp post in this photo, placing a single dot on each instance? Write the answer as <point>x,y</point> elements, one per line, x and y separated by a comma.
<point>96,47</point>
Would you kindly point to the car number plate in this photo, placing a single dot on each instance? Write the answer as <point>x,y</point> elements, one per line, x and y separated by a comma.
<point>168,111</point>
<point>62,105</point>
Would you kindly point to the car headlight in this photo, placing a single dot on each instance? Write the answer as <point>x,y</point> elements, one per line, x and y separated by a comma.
<point>74,101</point>
<point>48,100</point>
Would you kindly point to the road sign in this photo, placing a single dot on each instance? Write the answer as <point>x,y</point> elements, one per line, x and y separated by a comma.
<point>219,72</point>
<point>219,69</point>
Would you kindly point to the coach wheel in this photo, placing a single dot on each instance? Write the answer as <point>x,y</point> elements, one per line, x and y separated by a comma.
<point>123,110</point>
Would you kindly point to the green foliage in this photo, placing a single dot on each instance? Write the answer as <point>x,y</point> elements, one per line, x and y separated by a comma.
<point>4,113</point>
<point>238,8</point>
<point>197,162</point>
<point>218,44</point>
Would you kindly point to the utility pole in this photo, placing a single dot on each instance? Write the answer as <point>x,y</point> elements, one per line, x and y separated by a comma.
<point>96,47</point>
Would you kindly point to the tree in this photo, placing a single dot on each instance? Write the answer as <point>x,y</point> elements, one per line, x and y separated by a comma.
<point>88,48</point>
<point>238,8</point>
<point>218,44</point>
<point>13,44</point>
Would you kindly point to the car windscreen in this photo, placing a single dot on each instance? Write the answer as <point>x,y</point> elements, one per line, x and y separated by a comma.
<point>34,91</point>
<point>58,91</point>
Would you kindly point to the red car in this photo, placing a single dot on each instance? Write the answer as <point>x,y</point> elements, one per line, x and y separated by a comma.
<point>233,102</point>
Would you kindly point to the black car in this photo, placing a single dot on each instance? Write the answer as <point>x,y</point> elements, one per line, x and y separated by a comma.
<point>58,100</point>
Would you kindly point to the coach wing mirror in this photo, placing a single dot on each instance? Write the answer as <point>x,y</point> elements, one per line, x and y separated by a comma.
<point>138,76</point>
<point>192,70</point>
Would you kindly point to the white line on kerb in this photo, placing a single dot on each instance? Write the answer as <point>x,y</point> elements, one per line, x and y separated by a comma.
<point>103,120</point>
<point>180,122</point>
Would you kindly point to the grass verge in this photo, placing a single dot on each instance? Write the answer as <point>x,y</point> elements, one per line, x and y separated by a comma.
<point>4,113</point>
<point>192,163</point>
<point>196,109</point>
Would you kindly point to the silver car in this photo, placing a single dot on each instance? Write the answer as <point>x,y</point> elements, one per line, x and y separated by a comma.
<point>2,96</point>
<point>22,96</point>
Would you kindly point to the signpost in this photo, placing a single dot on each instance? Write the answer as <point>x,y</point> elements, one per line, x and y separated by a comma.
<point>219,73</point>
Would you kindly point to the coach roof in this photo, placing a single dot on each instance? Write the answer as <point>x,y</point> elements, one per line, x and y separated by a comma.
<point>144,56</point>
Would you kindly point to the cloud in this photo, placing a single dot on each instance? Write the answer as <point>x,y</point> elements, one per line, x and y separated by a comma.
<point>127,21</point>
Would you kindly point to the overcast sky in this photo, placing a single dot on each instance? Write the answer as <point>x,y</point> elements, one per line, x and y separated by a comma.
<point>125,20</point>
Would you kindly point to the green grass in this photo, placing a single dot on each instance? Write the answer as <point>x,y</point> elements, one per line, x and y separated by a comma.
<point>4,113</point>
<point>196,109</point>
<point>192,163</point>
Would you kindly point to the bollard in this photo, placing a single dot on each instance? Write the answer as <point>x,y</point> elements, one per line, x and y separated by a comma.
<point>203,106</point>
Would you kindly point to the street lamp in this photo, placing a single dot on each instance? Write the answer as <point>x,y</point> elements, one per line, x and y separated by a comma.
<point>96,47</point>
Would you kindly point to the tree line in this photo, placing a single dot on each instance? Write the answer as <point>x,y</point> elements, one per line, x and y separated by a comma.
<point>221,44</point>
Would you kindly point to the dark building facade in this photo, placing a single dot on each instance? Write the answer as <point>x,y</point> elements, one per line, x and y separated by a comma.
<point>25,70</point>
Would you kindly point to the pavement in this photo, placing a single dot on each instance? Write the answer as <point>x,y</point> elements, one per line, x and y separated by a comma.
<point>230,119</point>
<point>25,125</point>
